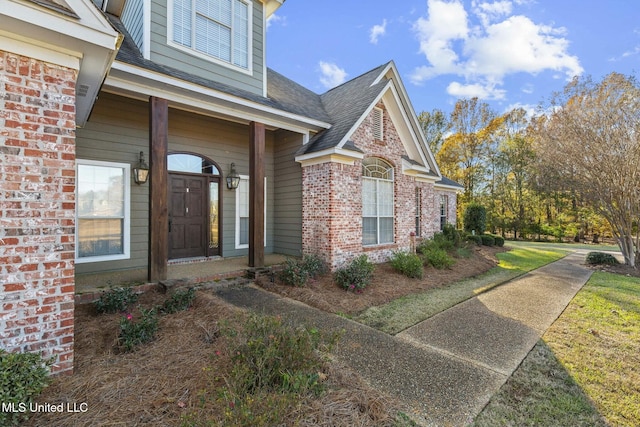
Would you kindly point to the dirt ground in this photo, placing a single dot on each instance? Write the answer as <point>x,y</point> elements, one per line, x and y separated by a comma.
<point>386,286</point>
<point>164,381</point>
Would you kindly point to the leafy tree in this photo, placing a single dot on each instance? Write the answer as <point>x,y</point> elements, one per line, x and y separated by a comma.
<point>475,218</point>
<point>434,126</point>
<point>462,156</point>
<point>591,140</point>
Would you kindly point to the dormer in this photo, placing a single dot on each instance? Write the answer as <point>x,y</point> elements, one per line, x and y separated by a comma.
<point>220,40</point>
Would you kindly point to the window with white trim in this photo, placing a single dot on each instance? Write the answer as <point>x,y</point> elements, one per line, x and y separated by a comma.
<point>217,28</point>
<point>377,202</point>
<point>378,124</point>
<point>242,213</point>
<point>444,210</point>
<point>102,212</point>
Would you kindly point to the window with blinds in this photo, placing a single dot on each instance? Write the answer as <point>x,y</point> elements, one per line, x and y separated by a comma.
<point>218,28</point>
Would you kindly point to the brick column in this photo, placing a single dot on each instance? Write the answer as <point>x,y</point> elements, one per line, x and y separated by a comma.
<point>37,208</point>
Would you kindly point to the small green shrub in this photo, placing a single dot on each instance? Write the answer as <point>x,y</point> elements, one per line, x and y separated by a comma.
<point>134,333</point>
<point>22,377</point>
<point>297,272</point>
<point>407,263</point>
<point>601,258</point>
<point>180,300</point>
<point>452,235</point>
<point>439,258</point>
<point>463,252</point>
<point>475,239</point>
<point>356,275</point>
<point>115,300</point>
<point>499,241</point>
<point>487,240</point>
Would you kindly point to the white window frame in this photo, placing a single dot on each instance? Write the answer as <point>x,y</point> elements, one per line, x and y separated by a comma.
<point>378,216</point>
<point>444,210</point>
<point>193,51</point>
<point>126,223</point>
<point>245,178</point>
<point>378,123</point>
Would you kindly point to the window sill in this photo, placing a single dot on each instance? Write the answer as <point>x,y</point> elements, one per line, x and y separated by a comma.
<point>370,248</point>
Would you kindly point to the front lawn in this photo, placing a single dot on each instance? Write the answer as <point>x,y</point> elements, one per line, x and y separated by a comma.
<point>586,369</point>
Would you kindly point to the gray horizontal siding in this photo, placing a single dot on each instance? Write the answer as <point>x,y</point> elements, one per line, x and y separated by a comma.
<point>288,195</point>
<point>163,53</point>
<point>132,19</point>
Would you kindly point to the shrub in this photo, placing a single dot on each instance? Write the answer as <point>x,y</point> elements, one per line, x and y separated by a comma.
<point>180,300</point>
<point>600,258</point>
<point>22,377</point>
<point>475,239</point>
<point>475,218</point>
<point>452,235</point>
<point>487,240</point>
<point>133,333</point>
<point>407,263</point>
<point>297,272</point>
<point>439,258</point>
<point>356,275</point>
<point>115,300</point>
<point>499,241</point>
<point>463,252</point>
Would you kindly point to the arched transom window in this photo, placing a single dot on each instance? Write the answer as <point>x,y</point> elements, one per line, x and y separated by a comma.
<point>377,201</point>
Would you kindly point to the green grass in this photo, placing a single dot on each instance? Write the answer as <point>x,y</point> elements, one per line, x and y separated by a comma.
<point>406,311</point>
<point>586,369</point>
<point>565,246</point>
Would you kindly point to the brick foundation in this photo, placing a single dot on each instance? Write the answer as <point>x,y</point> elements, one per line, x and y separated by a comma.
<point>37,208</point>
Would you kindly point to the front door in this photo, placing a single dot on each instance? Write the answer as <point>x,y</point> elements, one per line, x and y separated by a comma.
<point>188,216</point>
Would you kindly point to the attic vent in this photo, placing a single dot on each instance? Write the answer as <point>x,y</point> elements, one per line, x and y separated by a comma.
<point>83,90</point>
<point>377,123</point>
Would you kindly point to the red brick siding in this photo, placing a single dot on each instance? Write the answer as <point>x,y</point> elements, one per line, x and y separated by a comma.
<point>37,208</point>
<point>332,201</point>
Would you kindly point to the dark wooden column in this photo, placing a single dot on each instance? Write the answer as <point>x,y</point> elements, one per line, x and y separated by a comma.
<point>158,206</point>
<point>256,194</point>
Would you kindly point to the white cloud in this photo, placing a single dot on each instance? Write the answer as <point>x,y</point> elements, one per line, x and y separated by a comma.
<point>332,75</point>
<point>486,91</point>
<point>531,110</point>
<point>487,45</point>
<point>276,19</point>
<point>377,31</point>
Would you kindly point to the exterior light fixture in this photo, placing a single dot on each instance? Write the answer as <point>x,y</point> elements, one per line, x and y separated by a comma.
<point>233,179</point>
<point>141,171</point>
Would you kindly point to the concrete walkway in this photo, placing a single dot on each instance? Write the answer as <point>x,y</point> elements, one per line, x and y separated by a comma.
<point>445,368</point>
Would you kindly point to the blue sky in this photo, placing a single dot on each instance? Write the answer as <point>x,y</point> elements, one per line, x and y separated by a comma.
<point>509,53</point>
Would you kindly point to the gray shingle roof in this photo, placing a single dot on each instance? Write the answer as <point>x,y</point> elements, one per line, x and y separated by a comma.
<point>449,182</point>
<point>346,104</point>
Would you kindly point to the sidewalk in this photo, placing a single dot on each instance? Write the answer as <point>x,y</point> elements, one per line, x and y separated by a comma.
<point>445,368</point>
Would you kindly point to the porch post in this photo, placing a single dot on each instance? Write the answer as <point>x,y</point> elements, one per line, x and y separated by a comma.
<point>158,206</point>
<point>256,194</point>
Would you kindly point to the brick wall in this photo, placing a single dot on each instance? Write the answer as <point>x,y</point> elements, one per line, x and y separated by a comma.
<point>37,208</point>
<point>332,201</point>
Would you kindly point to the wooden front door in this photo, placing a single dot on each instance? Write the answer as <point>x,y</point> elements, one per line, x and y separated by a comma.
<point>188,216</point>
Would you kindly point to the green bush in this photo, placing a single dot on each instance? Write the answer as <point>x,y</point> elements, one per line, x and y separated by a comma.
<point>356,275</point>
<point>475,218</point>
<point>463,252</point>
<point>487,240</point>
<point>499,241</point>
<point>297,272</point>
<point>452,235</point>
<point>475,239</point>
<point>601,258</point>
<point>439,258</point>
<point>180,300</point>
<point>407,263</point>
<point>22,377</point>
<point>133,334</point>
<point>115,300</point>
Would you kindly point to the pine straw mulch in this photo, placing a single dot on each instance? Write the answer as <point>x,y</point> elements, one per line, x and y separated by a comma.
<point>386,285</point>
<point>163,381</point>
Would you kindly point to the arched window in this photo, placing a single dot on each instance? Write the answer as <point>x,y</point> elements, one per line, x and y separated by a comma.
<point>191,163</point>
<point>377,201</point>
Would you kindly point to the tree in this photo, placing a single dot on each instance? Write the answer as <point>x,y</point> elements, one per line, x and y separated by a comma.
<point>463,153</point>
<point>434,126</point>
<point>591,140</point>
